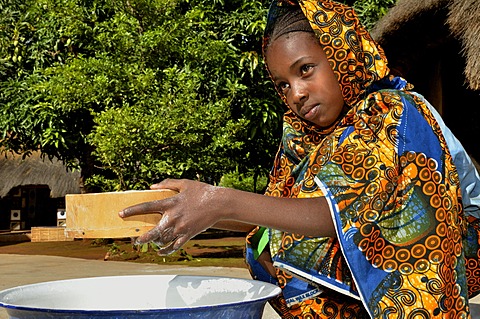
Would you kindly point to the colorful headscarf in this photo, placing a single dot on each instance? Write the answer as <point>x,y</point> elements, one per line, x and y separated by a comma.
<point>355,58</point>
<point>389,179</point>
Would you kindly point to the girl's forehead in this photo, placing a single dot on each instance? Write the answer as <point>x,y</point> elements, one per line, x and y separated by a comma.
<point>294,43</point>
<point>288,53</point>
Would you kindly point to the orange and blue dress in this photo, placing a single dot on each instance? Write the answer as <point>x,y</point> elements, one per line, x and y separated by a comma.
<point>404,247</point>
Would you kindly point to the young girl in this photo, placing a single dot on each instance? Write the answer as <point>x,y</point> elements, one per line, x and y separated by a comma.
<point>363,216</point>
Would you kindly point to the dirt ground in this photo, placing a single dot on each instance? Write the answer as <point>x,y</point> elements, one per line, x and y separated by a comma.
<point>212,248</point>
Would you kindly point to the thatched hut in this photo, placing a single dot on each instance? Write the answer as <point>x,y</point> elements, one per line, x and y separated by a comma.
<point>435,45</point>
<point>32,190</point>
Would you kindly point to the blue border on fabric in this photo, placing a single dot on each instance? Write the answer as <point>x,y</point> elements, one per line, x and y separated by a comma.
<point>307,284</point>
<point>359,266</point>
<point>419,137</point>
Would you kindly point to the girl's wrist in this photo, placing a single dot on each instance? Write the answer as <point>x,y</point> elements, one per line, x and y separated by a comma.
<point>225,199</point>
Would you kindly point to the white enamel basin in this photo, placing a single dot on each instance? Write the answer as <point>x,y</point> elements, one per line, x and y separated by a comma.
<point>150,296</point>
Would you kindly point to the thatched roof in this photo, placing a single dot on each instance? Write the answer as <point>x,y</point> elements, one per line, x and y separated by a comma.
<point>34,170</point>
<point>413,26</point>
<point>464,21</point>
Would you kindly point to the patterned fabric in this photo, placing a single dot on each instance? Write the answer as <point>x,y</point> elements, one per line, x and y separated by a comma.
<point>404,248</point>
<point>472,254</point>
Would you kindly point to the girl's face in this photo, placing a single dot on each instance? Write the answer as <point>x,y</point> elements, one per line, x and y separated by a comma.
<point>301,71</point>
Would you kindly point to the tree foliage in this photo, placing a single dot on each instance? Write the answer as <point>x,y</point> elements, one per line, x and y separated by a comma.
<point>134,91</point>
<point>370,11</point>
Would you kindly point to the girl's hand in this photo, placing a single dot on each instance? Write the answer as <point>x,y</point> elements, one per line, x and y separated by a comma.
<point>199,206</point>
<point>194,209</point>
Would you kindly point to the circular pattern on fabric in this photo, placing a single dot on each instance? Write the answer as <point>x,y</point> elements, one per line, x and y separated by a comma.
<point>348,156</point>
<point>425,174</point>
<point>297,237</point>
<point>432,164</point>
<point>337,44</point>
<point>436,256</point>
<point>372,176</point>
<point>359,173</point>
<point>342,68</point>
<point>340,56</point>
<point>287,242</point>
<point>422,266</point>
<point>366,230</point>
<point>329,52</point>
<point>337,159</point>
<point>370,162</point>
<point>371,216</point>
<point>322,160</point>
<point>315,169</point>
<point>348,168</point>
<point>435,201</point>
<point>437,177</point>
<point>370,253</point>
<point>421,160</point>
<point>390,188</point>
<point>458,248</point>
<point>364,244</point>
<point>442,230</point>
<point>377,261</point>
<point>379,244</point>
<point>460,302</point>
<point>308,184</point>
<point>406,269</point>
<point>402,255</point>
<point>390,265</point>
<point>296,125</point>
<point>378,204</point>
<point>388,252</point>
<point>383,196</point>
<point>372,189</point>
<point>411,156</point>
<point>418,251</point>
<point>440,214</point>
<point>432,242</point>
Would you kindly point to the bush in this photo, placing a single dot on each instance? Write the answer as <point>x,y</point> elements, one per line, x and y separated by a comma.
<point>245,182</point>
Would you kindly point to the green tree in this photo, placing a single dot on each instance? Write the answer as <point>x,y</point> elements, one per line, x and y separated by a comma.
<point>370,11</point>
<point>134,91</point>
<point>39,39</point>
<point>209,82</point>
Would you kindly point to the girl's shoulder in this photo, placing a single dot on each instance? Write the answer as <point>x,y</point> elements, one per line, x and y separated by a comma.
<point>385,101</point>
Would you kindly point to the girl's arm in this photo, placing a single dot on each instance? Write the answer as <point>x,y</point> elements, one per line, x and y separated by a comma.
<point>234,226</point>
<point>199,206</point>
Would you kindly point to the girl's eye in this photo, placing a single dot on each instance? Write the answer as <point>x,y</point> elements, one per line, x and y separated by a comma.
<point>283,86</point>
<point>305,68</point>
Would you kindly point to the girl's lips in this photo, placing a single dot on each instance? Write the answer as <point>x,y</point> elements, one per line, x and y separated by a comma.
<point>310,114</point>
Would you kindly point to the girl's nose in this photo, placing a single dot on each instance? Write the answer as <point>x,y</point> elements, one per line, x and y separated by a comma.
<point>299,94</point>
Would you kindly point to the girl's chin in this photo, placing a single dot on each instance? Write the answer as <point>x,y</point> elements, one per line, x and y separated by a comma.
<point>324,125</point>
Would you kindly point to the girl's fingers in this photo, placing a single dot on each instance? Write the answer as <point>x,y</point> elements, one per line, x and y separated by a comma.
<point>157,206</point>
<point>181,219</point>
<point>173,246</point>
<point>172,184</point>
<point>161,234</point>
<point>153,207</point>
